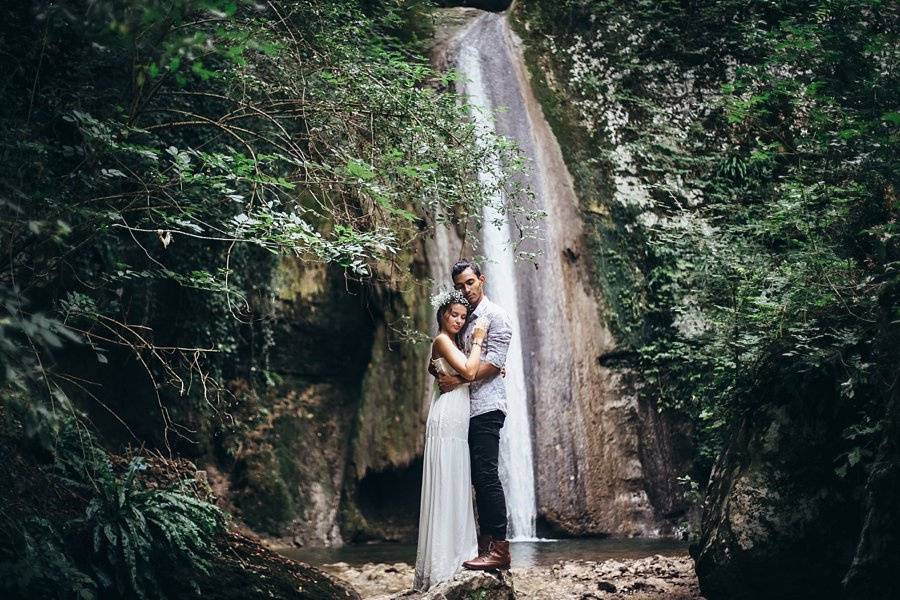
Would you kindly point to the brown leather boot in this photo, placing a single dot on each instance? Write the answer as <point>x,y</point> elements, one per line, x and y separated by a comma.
<point>484,544</point>
<point>497,557</point>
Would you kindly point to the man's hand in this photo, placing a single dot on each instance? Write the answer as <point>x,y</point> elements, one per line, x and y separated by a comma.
<point>448,383</point>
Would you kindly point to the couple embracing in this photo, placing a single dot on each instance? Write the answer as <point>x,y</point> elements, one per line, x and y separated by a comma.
<point>462,440</point>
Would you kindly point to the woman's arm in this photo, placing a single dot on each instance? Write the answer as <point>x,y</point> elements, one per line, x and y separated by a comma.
<point>467,367</point>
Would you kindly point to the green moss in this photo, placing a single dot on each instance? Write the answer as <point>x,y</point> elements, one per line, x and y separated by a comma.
<point>294,282</point>
<point>271,503</point>
<point>389,422</point>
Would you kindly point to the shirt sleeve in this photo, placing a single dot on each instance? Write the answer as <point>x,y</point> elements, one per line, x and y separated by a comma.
<point>498,338</point>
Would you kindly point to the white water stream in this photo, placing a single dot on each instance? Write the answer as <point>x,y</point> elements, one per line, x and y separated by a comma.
<point>592,450</point>
<point>516,463</point>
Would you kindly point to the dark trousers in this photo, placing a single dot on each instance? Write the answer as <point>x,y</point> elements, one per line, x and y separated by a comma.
<point>484,449</point>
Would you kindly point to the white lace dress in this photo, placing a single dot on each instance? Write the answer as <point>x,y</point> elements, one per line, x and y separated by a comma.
<point>447,519</point>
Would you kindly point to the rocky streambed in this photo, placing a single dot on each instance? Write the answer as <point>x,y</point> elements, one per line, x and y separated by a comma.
<point>652,578</point>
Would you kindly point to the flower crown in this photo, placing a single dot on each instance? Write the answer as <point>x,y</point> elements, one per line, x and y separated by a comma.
<point>449,297</point>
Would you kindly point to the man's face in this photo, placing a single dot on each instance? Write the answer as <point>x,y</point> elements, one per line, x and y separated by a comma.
<point>471,286</point>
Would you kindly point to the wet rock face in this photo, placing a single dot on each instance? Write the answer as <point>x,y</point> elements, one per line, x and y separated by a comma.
<point>289,469</point>
<point>777,522</point>
<point>876,563</point>
<point>666,454</point>
<point>345,409</point>
<point>289,472</point>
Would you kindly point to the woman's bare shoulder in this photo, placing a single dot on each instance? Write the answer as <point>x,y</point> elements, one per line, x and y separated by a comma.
<point>441,339</point>
<point>440,344</point>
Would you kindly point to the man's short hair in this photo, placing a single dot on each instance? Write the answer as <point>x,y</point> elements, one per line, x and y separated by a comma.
<point>463,264</point>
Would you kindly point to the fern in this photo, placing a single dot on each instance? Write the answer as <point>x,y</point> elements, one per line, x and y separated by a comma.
<point>138,534</point>
<point>42,567</point>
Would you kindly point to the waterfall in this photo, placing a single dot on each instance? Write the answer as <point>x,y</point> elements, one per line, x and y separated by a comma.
<point>516,465</point>
<point>584,458</point>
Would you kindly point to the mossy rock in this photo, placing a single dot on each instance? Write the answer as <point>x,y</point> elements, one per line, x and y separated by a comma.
<point>245,570</point>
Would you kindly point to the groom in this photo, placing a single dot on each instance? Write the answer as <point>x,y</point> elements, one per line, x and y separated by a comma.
<point>487,413</point>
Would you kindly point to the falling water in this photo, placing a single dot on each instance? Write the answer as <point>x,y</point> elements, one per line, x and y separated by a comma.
<point>584,458</point>
<point>516,467</point>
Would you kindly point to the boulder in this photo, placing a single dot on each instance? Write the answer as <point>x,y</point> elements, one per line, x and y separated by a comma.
<point>245,570</point>
<point>876,561</point>
<point>394,582</point>
<point>777,521</point>
<point>485,585</point>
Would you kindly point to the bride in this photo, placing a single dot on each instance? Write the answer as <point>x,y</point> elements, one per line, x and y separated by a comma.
<point>447,519</point>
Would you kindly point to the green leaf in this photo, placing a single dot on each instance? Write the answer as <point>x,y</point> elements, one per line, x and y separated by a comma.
<point>359,169</point>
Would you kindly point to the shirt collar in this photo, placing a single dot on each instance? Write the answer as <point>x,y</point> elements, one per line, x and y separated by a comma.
<point>481,308</point>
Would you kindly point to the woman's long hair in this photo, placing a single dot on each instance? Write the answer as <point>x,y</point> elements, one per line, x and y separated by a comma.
<point>452,298</point>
